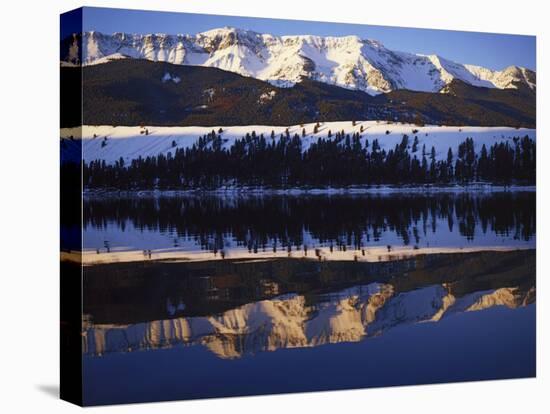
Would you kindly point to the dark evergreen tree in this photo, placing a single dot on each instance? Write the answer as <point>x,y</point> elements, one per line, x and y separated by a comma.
<point>415,144</point>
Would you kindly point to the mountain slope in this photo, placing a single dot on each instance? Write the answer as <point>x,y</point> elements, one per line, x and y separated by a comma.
<point>464,104</point>
<point>349,61</point>
<point>137,92</point>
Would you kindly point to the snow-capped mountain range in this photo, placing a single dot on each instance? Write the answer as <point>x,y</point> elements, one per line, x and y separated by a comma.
<point>349,61</point>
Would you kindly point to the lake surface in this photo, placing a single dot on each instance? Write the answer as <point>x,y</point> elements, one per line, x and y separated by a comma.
<point>217,226</point>
<point>280,294</point>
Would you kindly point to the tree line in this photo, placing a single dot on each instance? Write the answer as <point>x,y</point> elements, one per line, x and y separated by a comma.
<point>339,160</point>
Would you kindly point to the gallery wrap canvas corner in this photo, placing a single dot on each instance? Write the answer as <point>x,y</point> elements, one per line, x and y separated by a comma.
<point>260,206</point>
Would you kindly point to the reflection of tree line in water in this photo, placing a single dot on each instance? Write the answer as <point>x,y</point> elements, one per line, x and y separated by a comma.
<point>261,223</point>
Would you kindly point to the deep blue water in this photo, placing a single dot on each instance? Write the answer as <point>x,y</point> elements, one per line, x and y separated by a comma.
<point>491,344</point>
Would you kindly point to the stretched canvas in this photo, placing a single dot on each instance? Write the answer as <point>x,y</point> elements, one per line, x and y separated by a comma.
<point>258,206</point>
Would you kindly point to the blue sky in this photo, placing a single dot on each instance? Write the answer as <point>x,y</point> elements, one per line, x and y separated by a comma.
<point>495,51</point>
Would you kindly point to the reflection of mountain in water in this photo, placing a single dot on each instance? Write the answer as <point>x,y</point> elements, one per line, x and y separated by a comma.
<point>235,308</point>
<point>291,321</point>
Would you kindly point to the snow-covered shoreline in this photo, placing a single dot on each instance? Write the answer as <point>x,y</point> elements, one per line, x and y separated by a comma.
<point>111,143</point>
<point>90,257</point>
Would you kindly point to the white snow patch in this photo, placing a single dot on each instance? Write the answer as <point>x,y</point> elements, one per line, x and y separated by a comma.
<point>168,77</point>
<point>267,96</point>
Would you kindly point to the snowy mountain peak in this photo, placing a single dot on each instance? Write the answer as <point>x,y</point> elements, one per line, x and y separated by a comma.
<point>347,61</point>
<point>227,31</point>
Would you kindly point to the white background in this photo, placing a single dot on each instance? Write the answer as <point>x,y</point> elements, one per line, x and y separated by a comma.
<point>29,208</point>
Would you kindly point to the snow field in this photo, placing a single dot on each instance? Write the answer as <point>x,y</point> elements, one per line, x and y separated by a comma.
<point>131,142</point>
